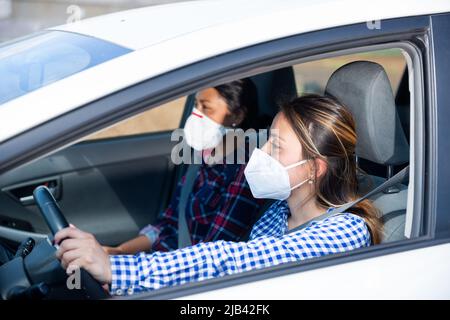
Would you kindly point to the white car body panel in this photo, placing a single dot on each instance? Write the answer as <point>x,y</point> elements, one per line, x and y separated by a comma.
<point>416,274</point>
<point>197,42</point>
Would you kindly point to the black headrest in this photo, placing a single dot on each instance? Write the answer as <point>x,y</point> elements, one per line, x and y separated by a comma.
<point>364,88</point>
<point>273,87</point>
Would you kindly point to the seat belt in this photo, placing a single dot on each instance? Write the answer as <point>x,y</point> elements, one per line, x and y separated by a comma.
<point>184,236</point>
<point>396,179</point>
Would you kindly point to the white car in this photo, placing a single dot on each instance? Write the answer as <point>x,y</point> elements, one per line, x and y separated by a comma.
<point>87,109</point>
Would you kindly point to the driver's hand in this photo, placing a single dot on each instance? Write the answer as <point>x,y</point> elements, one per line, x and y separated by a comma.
<point>78,249</point>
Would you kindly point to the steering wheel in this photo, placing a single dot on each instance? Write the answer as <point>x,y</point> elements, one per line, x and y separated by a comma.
<point>38,273</point>
<point>56,222</point>
<point>25,277</point>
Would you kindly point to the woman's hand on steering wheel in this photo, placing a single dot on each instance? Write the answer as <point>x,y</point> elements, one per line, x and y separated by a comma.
<point>79,249</point>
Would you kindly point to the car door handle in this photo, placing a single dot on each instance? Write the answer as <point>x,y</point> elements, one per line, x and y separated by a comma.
<point>27,200</point>
<point>23,192</point>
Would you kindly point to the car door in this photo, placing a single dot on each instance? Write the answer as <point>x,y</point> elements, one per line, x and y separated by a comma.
<point>111,183</point>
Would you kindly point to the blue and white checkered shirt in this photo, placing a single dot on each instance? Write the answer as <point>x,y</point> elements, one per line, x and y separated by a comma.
<point>269,245</point>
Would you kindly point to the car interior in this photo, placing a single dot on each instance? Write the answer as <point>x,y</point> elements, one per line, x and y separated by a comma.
<point>364,88</point>
<point>114,194</point>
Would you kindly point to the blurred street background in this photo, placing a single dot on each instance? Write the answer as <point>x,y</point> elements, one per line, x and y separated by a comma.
<point>22,17</point>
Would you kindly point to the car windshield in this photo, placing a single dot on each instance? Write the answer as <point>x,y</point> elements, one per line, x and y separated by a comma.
<point>35,61</point>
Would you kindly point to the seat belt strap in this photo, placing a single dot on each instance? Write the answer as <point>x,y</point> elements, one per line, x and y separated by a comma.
<point>396,179</point>
<point>184,236</point>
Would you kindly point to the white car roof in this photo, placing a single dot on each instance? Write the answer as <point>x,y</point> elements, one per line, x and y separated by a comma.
<point>140,28</point>
<point>143,27</point>
<point>167,37</point>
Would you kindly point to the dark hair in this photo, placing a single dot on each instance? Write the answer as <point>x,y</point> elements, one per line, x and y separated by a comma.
<point>241,95</point>
<point>326,130</point>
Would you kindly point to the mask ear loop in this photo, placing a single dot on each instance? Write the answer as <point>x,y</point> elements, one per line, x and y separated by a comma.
<point>310,181</point>
<point>301,183</point>
<point>295,165</point>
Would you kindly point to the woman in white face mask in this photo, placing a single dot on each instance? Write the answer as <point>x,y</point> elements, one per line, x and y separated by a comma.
<point>221,205</point>
<point>212,117</point>
<point>308,166</point>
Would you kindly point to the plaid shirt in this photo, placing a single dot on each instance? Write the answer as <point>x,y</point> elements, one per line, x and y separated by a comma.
<point>220,207</point>
<point>338,233</point>
<point>274,223</point>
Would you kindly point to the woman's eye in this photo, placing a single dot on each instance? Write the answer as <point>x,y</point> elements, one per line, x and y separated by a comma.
<point>274,148</point>
<point>274,144</point>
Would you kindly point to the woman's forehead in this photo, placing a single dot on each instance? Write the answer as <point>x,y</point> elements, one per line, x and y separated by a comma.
<point>281,126</point>
<point>282,129</point>
<point>207,94</point>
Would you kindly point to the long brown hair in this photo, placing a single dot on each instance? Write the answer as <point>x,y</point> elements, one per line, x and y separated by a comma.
<point>326,130</point>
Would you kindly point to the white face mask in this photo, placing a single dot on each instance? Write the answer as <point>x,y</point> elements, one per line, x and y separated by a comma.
<point>268,178</point>
<point>201,132</point>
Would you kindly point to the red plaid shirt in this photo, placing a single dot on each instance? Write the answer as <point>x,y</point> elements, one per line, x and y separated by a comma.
<point>221,207</point>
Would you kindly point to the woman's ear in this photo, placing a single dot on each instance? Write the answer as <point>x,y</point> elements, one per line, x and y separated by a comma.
<point>237,118</point>
<point>321,167</point>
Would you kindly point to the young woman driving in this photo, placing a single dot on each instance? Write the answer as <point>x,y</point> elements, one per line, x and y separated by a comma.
<point>308,165</point>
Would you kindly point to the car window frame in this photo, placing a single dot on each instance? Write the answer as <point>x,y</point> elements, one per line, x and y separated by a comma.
<point>240,63</point>
<point>438,98</point>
